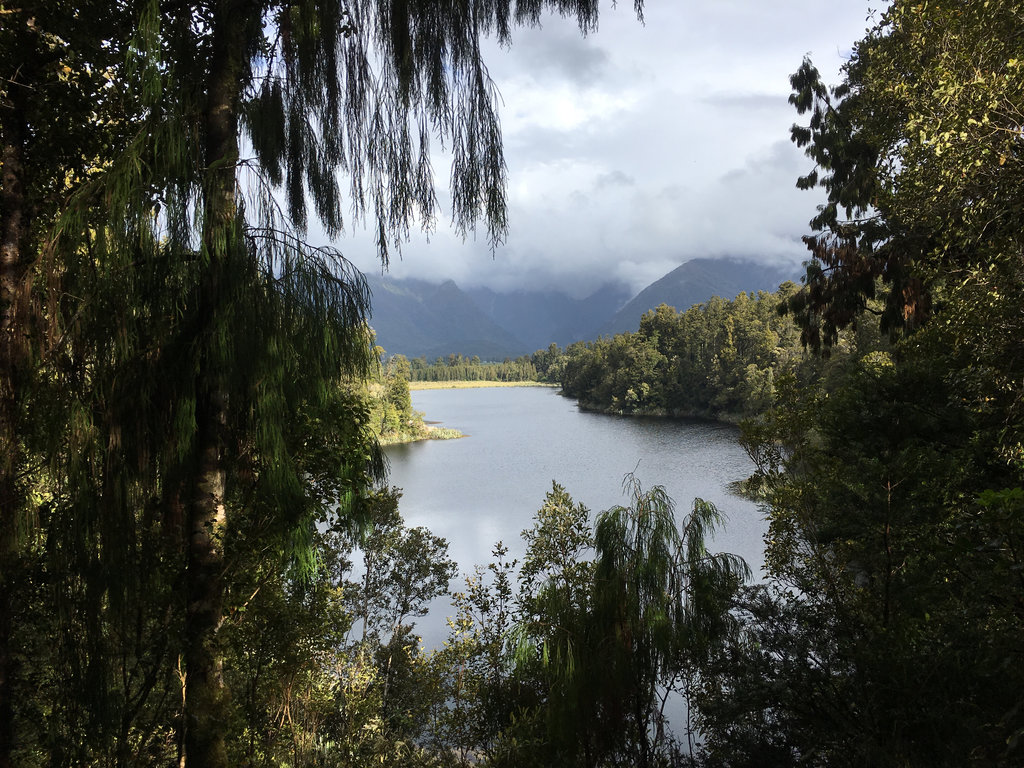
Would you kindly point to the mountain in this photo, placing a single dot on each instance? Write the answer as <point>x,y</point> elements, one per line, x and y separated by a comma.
<point>414,317</point>
<point>542,317</point>
<point>696,281</point>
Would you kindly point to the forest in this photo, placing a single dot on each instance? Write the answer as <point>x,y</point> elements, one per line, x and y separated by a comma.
<point>201,561</point>
<point>457,367</point>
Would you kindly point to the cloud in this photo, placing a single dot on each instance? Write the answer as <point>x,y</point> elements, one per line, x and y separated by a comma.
<point>559,53</point>
<point>744,103</point>
<point>614,179</point>
<point>641,146</point>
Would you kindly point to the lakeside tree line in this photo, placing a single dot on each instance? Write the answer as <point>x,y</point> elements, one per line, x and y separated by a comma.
<point>719,359</point>
<point>722,359</point>
<point>457,367</point>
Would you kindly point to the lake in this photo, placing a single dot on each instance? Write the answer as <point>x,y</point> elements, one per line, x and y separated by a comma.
<point>487,486</point>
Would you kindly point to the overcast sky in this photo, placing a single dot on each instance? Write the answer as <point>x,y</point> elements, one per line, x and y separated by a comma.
<point>639,147</point>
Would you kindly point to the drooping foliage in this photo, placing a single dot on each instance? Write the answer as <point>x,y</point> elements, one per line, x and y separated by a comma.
<point>184,352</point>
<point>60,108</point>
<point>605,645</point>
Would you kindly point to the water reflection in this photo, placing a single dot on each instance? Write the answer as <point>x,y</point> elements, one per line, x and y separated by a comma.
<point>487,486</point>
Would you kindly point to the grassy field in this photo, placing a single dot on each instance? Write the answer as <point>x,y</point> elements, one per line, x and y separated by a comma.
<point>474,384</point>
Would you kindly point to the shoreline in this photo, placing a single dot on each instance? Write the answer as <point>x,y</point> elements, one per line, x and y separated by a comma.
<point>462,384</point>
<point>721,417</point>
<point>429,432</point>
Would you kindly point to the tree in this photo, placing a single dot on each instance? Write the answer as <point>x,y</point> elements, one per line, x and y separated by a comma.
<point>195,290</point>
<point>61,107</point>
<point>325,669</point>
<point>404,569</point>
<point>611,640</point>
<point>884,558</point>
<point>396,395</point>
<point>480,698</point>
<point>555,597</point>
<point>663,603</point>
<point>915,147</point>
<point>918,151</point>
<point>557,550</point>
<point>255,304</point>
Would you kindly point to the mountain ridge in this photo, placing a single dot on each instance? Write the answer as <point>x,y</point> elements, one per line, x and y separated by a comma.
<point>697,280</point>
<point>540,318</point>
<point>416,317</point>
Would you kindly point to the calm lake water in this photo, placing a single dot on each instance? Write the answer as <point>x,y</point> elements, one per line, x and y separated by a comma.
<point>488,485</point>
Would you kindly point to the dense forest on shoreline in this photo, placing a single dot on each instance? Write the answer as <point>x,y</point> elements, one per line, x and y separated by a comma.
<point>201,562</point>
<point>459,368</point>
<point>722,360</point>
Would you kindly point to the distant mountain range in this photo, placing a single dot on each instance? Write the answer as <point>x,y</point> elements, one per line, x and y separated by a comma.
<point>696,281</point>
<point>538,318</point>
<point>415,317</point>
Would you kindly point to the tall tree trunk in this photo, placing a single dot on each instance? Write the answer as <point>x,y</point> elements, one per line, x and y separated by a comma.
<point>206,698</point>
<point>14,268</point>
<point>205,694</point>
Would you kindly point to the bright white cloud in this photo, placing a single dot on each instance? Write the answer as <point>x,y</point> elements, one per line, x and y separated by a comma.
<point>641,146</point>
<point>561,107</point>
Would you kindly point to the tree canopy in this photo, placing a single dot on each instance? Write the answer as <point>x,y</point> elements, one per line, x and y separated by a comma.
<point>885,634</point>
<point>180,348</point>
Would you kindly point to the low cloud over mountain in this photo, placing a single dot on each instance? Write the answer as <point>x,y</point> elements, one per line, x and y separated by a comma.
<point>416,317</point>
